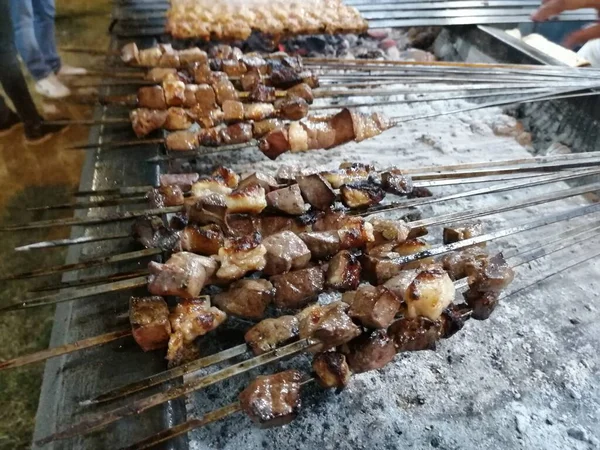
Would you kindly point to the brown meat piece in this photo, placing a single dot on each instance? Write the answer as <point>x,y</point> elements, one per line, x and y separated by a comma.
<point>152,97</point>
<point>192,55</point>
<point>285,252</point>
<point>263,127</point>
<point>267,182</point>
<point>144,121</point>
<point>303,91</point>
<point>329,324</point>
<point>367,125</point>
<point>159,74</point>
<point>130,54</point>
<point>181,141</point>
<point>250,80</point>
<point>374,307</point>
<point>247,200</point>
<point>361,194</point>
<point>493,275</point>
<point>206,240</point>
<point>209,209</point>
<point>459,264</point>
<point>171,195</point>
<point>394,182</point>
<point>183,180</point>
<point>455,234</point>
<point>238,133</point>
<point>323,244</point>
<point>371,351</point>
<point>275,143</point>
<point>258,111</point>
<point>174,92</point>
<point>234,68</point>
<point>273,400</point>
<point>483,303</point>
<point>262,93</point>
<point>316,191</point>
<point>343,272</point>
<point>269,225</point>
<point>195,317</point>
<point>294,108</point>
<point>241,255</point>
<point>331,369</point>
<point>320,134</point>
<point>151,232</point>
<point>298,137</point>
<point>224,89</point>
<point>202,73</point>
<point>149,57</point>
<point>412,246</point>
<point>414,334</point>
<point>205,97</point>
<point>288,200</point>
<point>295,289</point>
<point>179,351</point>
<point>233,111</point>
<point>284,77</point>
<point>389,231</point>
<point>183,275</point>
<point>177,119</point>
<point>149,318</point>
<point>336,220</point>
<point>344,129</point>
<point>269,334</point>
<point>169,60</point>
<point>356,236</point>
<point>246,298</point>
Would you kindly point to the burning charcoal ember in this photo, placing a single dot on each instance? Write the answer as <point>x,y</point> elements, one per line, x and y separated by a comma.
<point>361,194</point>
<point>459,264</point>
<point>230,178</point>
<point>183,180</point>
<point>322,244</point>
<point>288,200</point>
<point>144,121</point>
<point>426,292</point>
<point>267,182</point>
<point>316,191</point>
<point>181,141</point>
<point>183,275</point>
<point>149,318</point>
<point>303,91</point>
<point>414,334</point>
<point>246,298</point>
<point>374,307</point>
<point>270,334</point>
<point>285,252</point>
<point>295,289</point>
<point>206,240</point>
<point>492,275</point>
<point>241,255</point>
<point>328,324</point>
<point>394,182</point>
<point>455,234</point>
<point>370,351</point>
<point>331,369</point>
<point>247,200</point>
<point>152,97</point>
<point>343,272</point>
<point>273,400</point>
<point>151,232</point>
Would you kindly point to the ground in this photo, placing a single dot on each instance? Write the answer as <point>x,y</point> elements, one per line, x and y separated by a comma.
<point>26,176</point>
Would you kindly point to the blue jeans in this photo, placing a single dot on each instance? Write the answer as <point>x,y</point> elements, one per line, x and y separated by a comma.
<point>33,22</point>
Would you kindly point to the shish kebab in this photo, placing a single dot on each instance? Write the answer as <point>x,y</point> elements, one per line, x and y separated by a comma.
<point>327,325</point>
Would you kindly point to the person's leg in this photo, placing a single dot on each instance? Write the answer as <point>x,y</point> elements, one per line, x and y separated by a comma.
<point>21,12</point>
<point>44,14</point>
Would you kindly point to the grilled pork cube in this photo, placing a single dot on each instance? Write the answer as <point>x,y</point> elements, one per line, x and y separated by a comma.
<point>331,369</point>
<point>151,232</point>
<point>294,108</point>
<point>150,57</point>
<point>158,74</point>
<point>343,272</point>
<point>483,303</point>
<point>206,240</point>
<point>414,334</point>
<point>241,255</point>
<point>310,79</point>
<point>316,191</point>
<point>192,55</point>
<point>267,182</point>
<point>374,307</point>
<point>284,77</point>
<point>386,231</point>
<point>288,200</point>
<point>371,351</point>
<point>394,182</point>
<point>233,111</point>
<point>250,80</point>
<point>356,236</point>
<point>368,125</point>
<point>410,247</point>
<point>210,185</point>
<point>261,93</point>
<point>171,195</point>
<point>149,318</point>
<point>459,264</point>
<point>258,111</point>
<point>174,92</point>
<point>152,97</point>
<point>493,275</point>
<point>183,180</point>
<point>269,334</point>
<point>336,220</point>
<point>453,320</point>
<point>179,351</point>
<point>190,96</point>
<point>195,317</point>
<point>234,68</point>
<point>230,178</point>
<point>246,298</point>
<point>275,143</point>
<point>202,73</point>
<point>269,225</point>
<point>181,141</point>
<point>329,324</point>
<point>238,133</point>
<point>320,134</point>
<point>322,244</point>
<point>273,400</point>
<point>361,194</point>
<point>303,91</point>
<point>130,54</point>
<point>169,60</point>
<point>224,89</point>
<point>247,200</point>
<point>144,121</point>
<point>210,137</point>
<point>207,119</point>
<point>455,234</point>
<point>426,292</point>
<point>295,289</point>
<point>298,137</point>
<point>262,127</point>
<point>177,119</point>
<point>254,61</point>
<point>184,275</point>
<point>205,97</point>
<point>285,252</point>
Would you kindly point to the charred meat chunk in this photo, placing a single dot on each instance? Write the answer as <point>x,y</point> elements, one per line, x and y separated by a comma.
<point>394,182</point>
<point>455,234</point>
<point>144,121</point>
<point>261,93</point>
<point>285,77</point>
<point>206,240</point>
<point>374,307</point>
<point>183,275</point>
<point>267,182</point>
<point>211,209</point>
<point>269,334</point>
<point>285,252</point>
<point>149,318</point>
<point>288,200</point>
<point>241,255</point>
<point>331,369</point>
<point>246,298</point>
<point>343,272</point>
<point>151,232</point>
<point>492,275</point>
<point>414,334</point>
<point>316,191</point>
<point>195,317</point>
<point>292,108</point>
<point>295,289</point>
<point>169,196</point>
<point>459,264</point>
<point>177,119</point>
<point>371,351</point>
<point>233,67</point>
<point>379,270</point>
<point>361,194</point>
<point>251,79</point>
<point>322,244</point>
<point>229,177</point>
<point>483,303</point>
<point>303,91</point>
<point>272,400</point>
<point>453,320</point>
<point>328,324</point>
<point>275,143</point>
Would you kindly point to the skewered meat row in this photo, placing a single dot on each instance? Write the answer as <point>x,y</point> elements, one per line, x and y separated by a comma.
<point>144,121</point>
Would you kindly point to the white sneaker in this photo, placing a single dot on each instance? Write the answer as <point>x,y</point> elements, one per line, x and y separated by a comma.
<point>66,70</point>
<point>52,87</point>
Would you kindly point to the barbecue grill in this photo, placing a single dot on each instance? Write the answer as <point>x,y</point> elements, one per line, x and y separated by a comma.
<point>526,377</point>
